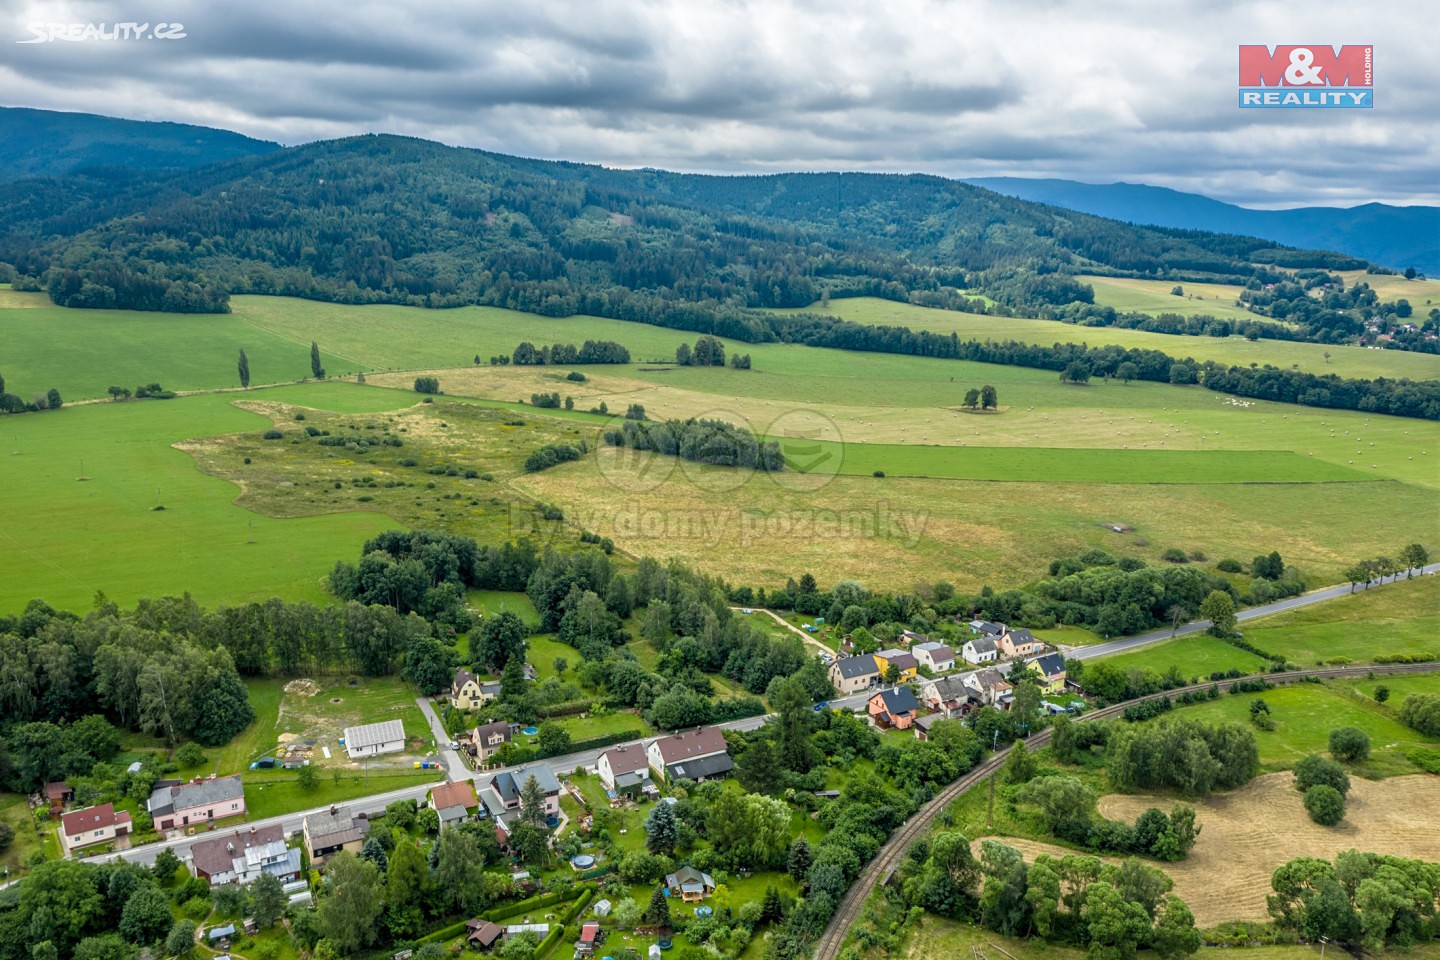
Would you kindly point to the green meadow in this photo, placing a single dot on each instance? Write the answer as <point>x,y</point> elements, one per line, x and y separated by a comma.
<point>70,538</point>
<point>1305,713</point>
<point>1343,361</point>
<point>1155,296</point>
<point>1196,655</point>
<point>1396,618</point>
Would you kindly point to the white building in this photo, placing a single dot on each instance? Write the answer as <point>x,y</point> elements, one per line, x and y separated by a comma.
<point>372,739</point>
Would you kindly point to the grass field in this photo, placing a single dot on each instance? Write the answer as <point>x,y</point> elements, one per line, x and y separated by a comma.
<point>1420,293</point>
<point>74,538</point>
<point>275,796</point>
<point>1403,618</point>
<point>491,602</point>
<point>1236,350</point>
<point>893,532</point>
<point>1401,687</point>
<point>1305,713</point>
<point>15,810</point>
<point>1197,655</point>
<point>1154,296</point>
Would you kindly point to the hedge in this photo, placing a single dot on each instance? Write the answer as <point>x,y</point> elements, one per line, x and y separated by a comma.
<point>566,709</point>
<point>548,944</point>
<point>577,907</point>
<point>608,740</point>
<point>534,903</point>
<point>444,933</point>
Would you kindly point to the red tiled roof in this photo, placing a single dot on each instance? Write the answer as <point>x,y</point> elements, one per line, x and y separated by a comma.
<point>623,760</point>
<point>461,793</point>
<point>92,818</point>
<point>688,746</point>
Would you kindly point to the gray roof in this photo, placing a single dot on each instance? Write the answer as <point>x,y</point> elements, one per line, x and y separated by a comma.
<point>928,721</point>
<point>985,626</point>
<point>206,792</point>
<point>373,734</point>
<point>899,700</point>
<point>861,666</point>
<point>1021,635</point>
<point>332,826</point>
<point>1052,664</point>
<point>509,783</point>
<point>453,814</point>
<point>982,645</point>
<point>710,766</point>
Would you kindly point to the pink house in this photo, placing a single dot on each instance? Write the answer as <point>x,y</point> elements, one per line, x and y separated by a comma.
<point>893,708</point>
<point>201,801</point>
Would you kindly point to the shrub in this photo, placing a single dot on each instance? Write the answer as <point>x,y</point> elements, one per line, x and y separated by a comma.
<point>1349,744</point>
<point>427,385</point>
<point>274,435</point>
<point>1325,804</point>
<point>878,473</point>
<point>575,376</point>
<point>1229,566</point>
<point>1315,770</point>
<point>1175,555</point>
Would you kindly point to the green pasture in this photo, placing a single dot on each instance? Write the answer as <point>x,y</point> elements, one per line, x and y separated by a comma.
<point>1195,655</point>
<point>1155,297</point>
<point>491,602</point>
<point>1344,361</point>
<point>74,538</point>
<point>1305,713</point>
<point>1105,466</point>
<point>1394,286</point>
<point>272,797</point>
<point>1401,686</point>
<point>1396,618</point>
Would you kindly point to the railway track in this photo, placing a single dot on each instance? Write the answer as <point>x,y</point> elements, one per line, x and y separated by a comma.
<point>880,869</point>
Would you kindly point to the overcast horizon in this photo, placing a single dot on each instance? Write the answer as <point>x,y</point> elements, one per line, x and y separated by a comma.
<point>1108,91</point>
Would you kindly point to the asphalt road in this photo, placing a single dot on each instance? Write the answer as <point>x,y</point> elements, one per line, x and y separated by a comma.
<point>1097,650</point>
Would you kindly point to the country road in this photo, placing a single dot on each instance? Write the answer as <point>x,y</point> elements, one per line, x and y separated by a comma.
<point>1249,613</point>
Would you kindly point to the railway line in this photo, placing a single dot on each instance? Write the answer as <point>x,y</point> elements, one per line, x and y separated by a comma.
<point>880,869</point>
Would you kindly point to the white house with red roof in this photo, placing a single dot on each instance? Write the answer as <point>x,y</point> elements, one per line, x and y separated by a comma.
<point>697,755</point>
<point>85,828</point>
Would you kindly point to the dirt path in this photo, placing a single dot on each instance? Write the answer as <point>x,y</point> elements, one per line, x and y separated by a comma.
<point>791,627</point>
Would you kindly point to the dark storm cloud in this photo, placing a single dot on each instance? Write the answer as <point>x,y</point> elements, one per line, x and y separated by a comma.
<point>1103,90</point>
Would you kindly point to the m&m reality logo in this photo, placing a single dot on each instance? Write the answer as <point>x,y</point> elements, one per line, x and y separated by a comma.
<point>1310,76</point>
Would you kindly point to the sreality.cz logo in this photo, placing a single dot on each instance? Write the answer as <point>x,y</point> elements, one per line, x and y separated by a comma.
<point>1314,76</point>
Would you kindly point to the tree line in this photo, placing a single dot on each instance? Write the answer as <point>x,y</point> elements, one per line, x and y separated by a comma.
<point>704,441</point>
<point>591,351</point>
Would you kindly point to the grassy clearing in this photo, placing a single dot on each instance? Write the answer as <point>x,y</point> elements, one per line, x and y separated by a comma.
<point>491,602</point>
<point>892,532</point>
<point>1304,714</point>
<point>1394,287</point>
<point>615,723</point>
<point>916,402</point>
<point>348,702</point>
<point>15,810</point>
<point>1154,297</point>
<point>74,538</point>
<point>1197,655</point>
<point>544,648</point>
<point>273,797</point>
<point>1403,618</point>
<point>1402,686</point>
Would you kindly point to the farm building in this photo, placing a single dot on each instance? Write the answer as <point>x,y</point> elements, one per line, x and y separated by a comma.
<point>373,739</point>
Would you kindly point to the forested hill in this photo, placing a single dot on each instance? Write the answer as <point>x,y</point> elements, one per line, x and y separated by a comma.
<point>40,143</point>
<point>383,218</point>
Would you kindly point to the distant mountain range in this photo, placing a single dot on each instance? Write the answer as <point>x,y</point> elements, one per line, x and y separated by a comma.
<point>1396,237</point>
<point>45,143</point>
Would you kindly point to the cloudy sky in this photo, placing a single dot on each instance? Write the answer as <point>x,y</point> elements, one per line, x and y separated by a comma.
<point>1096,90</point>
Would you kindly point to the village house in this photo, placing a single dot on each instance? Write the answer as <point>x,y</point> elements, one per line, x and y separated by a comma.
<point>482,934</point>
<point>689,884</point>
<point>488,738</point>
<point>853,674</point>
<point>699,755</point>
<point>85,828</point>
<point>894,708</point>
<point>909,638</point>
<point>948,696</point>
<point>990,688</point>
<point>502,792</point>
<point>937,656</point>
<point>625,770</point>
<point>241,857</point>
<point>1051,668</point>
<point>979,651</point>
<point>334,830</point>
<point>985,628</point>
<point>373,739</point>
<point>904,663</point>
<point>200,801</point>
<point>1019,642</point>
<point>923,725</point>
<point>469,692</point>
<point>453,802</point>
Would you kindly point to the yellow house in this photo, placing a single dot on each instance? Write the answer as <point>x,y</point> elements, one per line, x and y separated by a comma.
<point>467,692</point>
<point>1052,672</point>
<point>900,660</point>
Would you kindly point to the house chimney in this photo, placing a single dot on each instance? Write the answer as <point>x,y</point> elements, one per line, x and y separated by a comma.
<point>332,809</point>
<point>229,847</point>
